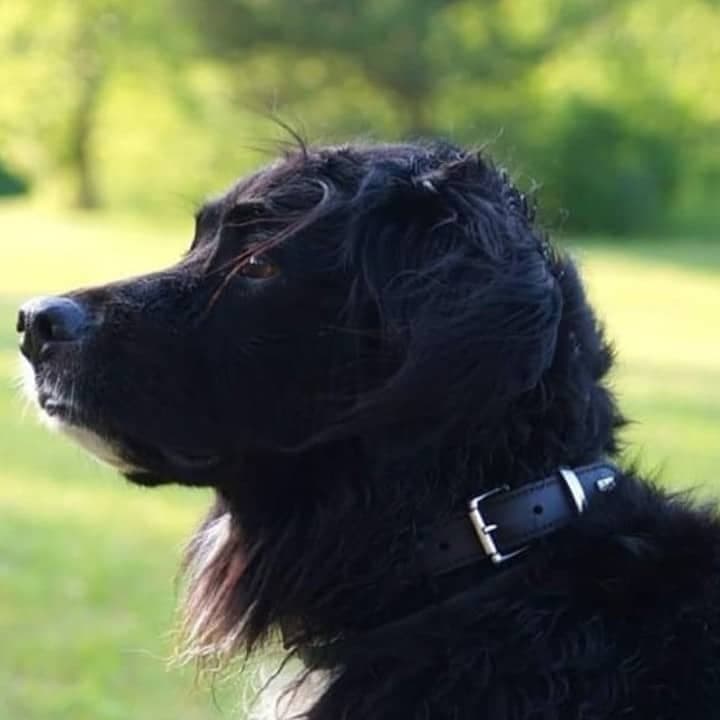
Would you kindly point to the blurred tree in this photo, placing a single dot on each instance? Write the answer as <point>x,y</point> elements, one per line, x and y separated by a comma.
<point>10,182</point>
<point>97,86</point>
<point>89,45</point>
<point>608,174</point>
<point>66,52</point>
<point>407,49</point>
<point>627,118</point>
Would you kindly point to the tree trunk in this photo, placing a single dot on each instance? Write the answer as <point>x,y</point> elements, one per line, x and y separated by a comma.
<point>80,141</point>
<point>89,68</point>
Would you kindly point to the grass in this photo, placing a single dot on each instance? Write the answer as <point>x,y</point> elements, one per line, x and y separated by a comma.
<point>87,562</point>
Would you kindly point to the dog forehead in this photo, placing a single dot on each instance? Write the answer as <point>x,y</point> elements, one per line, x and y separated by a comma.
<point>298,176</point>
<point>255,187</point>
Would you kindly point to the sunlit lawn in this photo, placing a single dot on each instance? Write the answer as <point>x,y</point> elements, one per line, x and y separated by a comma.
<point>87,562</point>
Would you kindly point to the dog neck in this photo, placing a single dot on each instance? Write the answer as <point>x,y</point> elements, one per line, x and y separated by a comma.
<point>500,528</point>
<point>584,600</point>
<point>322,551</point>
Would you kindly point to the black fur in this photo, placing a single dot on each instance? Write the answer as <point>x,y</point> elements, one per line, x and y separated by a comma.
<point>418,341</point>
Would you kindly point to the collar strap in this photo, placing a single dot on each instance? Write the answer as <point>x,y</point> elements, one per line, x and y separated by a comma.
<point>498,525</point>
<point>501,523</point>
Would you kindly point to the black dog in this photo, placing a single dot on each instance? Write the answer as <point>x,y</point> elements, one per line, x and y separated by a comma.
<point>359,345</point>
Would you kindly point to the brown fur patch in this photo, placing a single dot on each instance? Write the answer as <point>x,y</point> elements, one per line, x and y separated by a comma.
<point>211,627</point>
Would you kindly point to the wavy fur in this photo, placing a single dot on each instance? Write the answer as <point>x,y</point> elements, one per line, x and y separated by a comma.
<point>492,371</point>
<point>421,342</point>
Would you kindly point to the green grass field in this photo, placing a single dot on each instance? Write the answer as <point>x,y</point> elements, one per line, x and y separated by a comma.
<point>87,562</point>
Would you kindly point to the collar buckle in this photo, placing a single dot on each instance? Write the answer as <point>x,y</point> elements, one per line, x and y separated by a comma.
<point>484,531</point>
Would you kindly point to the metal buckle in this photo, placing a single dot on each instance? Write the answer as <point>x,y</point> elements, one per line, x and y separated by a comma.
<point>484,531</point>
<point>576,489</point>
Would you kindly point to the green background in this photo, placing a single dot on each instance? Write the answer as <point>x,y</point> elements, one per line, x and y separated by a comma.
<point>117,118</point>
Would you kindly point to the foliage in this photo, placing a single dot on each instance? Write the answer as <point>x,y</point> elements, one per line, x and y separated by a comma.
<point>406,50</point>
<point>150,105</point>
<point>63,57</point>
<point>607,174</point>
<point>11,183</point>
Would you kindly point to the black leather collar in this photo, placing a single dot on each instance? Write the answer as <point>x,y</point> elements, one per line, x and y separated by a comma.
<point>502,523</point>
<point>498,525</point>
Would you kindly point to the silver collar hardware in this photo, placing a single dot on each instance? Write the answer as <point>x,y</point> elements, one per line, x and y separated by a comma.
<point>576,489</point>
<point>606,484</point>
<point>514,518</point>
<point>484,531</point>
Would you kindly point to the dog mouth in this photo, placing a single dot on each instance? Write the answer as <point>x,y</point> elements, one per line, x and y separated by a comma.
<point>140,460</point>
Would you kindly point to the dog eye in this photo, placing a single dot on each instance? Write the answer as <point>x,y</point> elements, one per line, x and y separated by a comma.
<point>259,267</point>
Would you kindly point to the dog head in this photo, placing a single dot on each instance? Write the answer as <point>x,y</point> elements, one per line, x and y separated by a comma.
<point>353,327</point>
<point>374,292</point>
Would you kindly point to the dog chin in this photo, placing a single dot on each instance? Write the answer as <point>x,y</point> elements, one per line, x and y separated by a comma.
<point>96,445</point>
<point>56,416</point>
<point>145,478</point>
<point>101,449</point>
<point>107,453</point>
<point>140,462</point>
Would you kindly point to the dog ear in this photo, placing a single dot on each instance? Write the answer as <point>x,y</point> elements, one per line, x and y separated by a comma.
<point>466,300</point>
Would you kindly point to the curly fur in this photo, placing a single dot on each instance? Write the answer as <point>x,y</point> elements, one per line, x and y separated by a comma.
<point>495,342</point>
<point>422,343</point>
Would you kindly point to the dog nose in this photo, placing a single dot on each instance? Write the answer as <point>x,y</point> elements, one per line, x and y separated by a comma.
<point>48,320</point>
